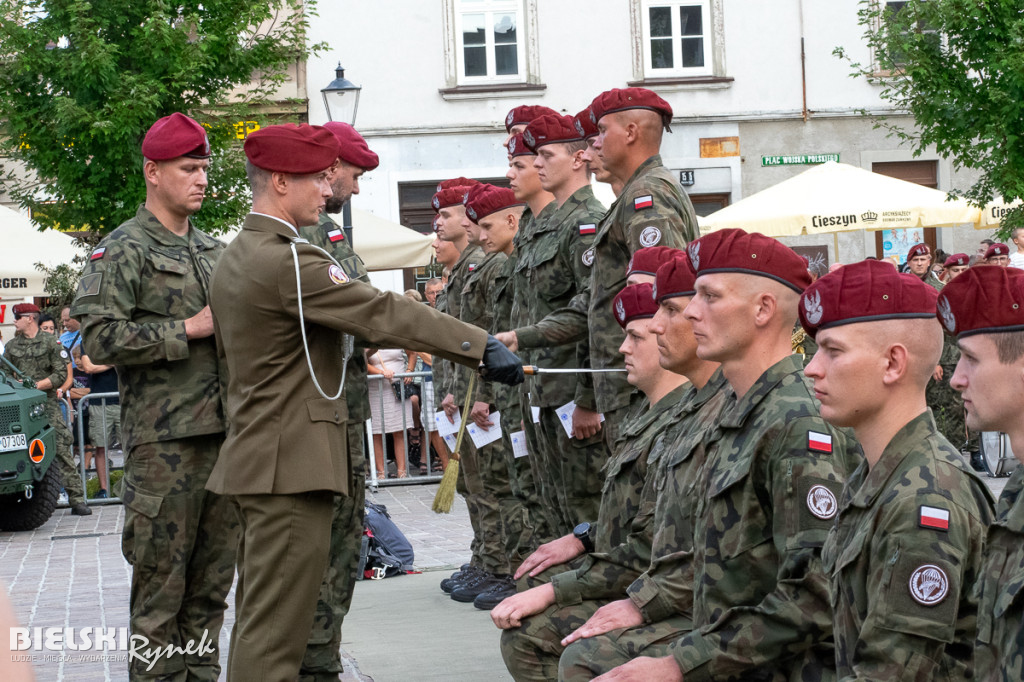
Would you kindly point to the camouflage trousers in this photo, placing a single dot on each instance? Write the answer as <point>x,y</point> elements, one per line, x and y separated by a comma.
<point>588,658</point>
<point>476,483</point>
<point>65,458</point>
<point>574,467</point>
<point>322,660</point>
<point>549,519</point>
<point>181,542</point>
<point>523,514</point>
<point>532,650</point>
<point>948,409</point>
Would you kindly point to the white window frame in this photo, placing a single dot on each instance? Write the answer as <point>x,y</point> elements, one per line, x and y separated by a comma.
<point>884,4</point>
<point>708,37</point>
<point>489,8</point>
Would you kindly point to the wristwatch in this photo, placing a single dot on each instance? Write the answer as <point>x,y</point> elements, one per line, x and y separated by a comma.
<point>582,533</point>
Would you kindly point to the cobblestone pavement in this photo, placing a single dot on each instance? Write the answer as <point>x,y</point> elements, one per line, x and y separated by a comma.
<point>70,573</point>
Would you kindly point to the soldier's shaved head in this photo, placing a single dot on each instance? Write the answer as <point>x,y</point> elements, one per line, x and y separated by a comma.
<point>648,124</point>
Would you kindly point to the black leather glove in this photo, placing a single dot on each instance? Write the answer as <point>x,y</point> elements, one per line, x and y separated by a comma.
<point>501,364</point>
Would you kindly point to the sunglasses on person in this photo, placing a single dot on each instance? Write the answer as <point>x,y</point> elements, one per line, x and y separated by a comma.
<point>18,316</point>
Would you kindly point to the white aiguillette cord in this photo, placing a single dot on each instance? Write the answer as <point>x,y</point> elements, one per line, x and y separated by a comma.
<point>347,339</point>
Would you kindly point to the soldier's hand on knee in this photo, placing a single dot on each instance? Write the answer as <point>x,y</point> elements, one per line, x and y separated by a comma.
<point>557,551</point>
<point>510,612</point>
<point>644,669</point>
<point>618,614</point>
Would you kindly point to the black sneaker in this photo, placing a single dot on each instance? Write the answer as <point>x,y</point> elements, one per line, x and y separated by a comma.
<point>449,583</point>
<point>494,596</point>
<point>81,509</point>
<point>469,590</point>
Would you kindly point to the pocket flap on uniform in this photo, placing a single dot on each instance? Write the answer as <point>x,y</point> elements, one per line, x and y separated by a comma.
<point>729,472</point>
<point>1007,595</point>
<point>323,410</point>
<point>165,262</point>
<point>140,501</point>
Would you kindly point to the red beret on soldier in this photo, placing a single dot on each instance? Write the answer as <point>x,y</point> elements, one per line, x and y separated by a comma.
<point>868,291</point>
<point>524,114</point>
<point>918,250</point>
<point>957,259</point>
<point>290,148</point>
<point>452,196</point>
<point>997,250</point>
<point>456,182</point>
<point>983,300</point>
<point>173,136</point>
<point>674,278</point>
<point>585,126</point>
<point>735,250</point>
<point>634,302</point>
<point>483,200</point>
<point>623,99</point>
<point>549,129</point>
<point>22,308</point>
<point>517,146</point>
<point>646,261</point>
<point>354,149</point>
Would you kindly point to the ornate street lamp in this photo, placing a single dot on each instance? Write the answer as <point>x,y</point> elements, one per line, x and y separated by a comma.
<point>341,98</point>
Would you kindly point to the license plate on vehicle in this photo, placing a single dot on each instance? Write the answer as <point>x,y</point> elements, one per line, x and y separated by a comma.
<point>15,441</point>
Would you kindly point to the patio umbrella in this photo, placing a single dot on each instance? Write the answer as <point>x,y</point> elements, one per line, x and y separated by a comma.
<point>837,197</point>
<point>992,214</point>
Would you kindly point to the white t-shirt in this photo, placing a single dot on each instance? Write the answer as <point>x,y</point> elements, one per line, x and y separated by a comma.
<point>1017,260</point>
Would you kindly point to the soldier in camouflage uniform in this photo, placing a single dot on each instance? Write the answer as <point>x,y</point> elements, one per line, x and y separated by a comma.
<point>45,361</point>
<point>618,547</point>
<point>919,264</point>
<point>322,660</point>
<point>761,601</point>
<point>989,375</point>
<point>907,547</point>
<point>143,304</point>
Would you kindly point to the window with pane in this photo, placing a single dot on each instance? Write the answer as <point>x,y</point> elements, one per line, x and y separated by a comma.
<point>898,15</point>
<point>677,38</point>
<point>489,40</point>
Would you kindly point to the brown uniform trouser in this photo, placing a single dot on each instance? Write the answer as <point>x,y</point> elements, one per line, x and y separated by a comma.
<point>281,561</point>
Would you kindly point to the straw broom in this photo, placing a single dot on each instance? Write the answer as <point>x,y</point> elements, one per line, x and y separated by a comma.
<point>446,491</point>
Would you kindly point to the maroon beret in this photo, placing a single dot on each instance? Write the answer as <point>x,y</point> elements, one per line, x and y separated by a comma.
<point>354,149</point>
<point>483,200</point>
<point>867,291</point>
<point>525,113</point>
<point>173,136</point>
<point>622,99</point>
<point>983,300</point>
<point>734,250</point>
<point>634,303</point>
<point>456,182</point>
<point>549,129</point>
<point>25,308</point>
<point>674,278</point>
<point>918,250</point>
<point>451,196</point>
<point>997,250</point>
<point>517,146</point>
<point>585,125</point>
<point>647,261</point>
<point>957,259</point>
<point>290,148</point>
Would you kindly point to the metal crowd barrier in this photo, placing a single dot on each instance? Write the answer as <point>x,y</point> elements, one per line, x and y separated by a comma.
<point>83,404</point>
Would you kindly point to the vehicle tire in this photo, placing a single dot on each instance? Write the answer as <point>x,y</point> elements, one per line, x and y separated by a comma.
<point>18,513</point>
<point>996,453</point>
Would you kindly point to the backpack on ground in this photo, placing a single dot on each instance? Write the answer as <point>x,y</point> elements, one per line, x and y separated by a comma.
<point>385,550</point>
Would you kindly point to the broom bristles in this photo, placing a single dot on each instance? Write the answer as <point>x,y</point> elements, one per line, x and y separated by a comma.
<point>446,491</point>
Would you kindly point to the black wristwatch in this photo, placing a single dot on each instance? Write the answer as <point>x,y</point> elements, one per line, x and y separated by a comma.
<point>582,533</point>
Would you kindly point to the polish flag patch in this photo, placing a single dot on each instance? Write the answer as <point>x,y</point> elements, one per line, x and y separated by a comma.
<point>819,442</point>
<point>589,228</point>
<point>336,236</point>
<point>934,517</point>
<point>646,201</point>
<point>98,253</point>
<point>472,267</point>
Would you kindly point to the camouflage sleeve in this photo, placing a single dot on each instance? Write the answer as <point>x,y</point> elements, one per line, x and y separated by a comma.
<point>660,215</point>
<point>797,610</point>
<point>58,361</point>
<point>106,304</point>
<point>567,324</point>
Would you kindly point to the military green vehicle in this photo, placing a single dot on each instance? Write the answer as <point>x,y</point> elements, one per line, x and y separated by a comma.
<point>29,481</point>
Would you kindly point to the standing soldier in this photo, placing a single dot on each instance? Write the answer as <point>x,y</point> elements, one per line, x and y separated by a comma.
<point>519,117</point>
<point>587,127</point>
<point>919,264</point>
<point>907,546</point>
<point>45,361</point>
<point>322,660</point>
<point>984,309</point>
<point>143,302</point>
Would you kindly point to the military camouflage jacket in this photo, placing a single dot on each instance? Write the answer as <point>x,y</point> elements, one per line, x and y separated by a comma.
<point>950,356</point>
<point>506,398</point>
<point>1000,652</point>
<point>136,292</point>
<point>555,267</point>
<point>666,588</point>
<point>331,238</point>
<point>772,475</point>
<point>933,281</point>
<point>41,357</point>
<point>476,310</point>
<point>622,541</point>
<point>470,256</point>
<point>902,558</point>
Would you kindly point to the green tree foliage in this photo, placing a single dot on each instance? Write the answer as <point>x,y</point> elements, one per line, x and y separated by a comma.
<point>83,81</point>
<point>957,66</point>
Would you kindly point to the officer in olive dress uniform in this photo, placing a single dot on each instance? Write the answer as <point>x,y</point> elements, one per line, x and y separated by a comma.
<point>143,301</point>
<point>907,546</point>
<point>322,660</point>
<point>984,309</point>
<point>285,457</point>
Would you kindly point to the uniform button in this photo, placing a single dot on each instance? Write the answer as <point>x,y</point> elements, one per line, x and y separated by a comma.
<point>465,345</point>
<point>336,417</point>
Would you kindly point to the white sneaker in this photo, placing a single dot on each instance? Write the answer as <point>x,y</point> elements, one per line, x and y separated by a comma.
<point>62,498</point>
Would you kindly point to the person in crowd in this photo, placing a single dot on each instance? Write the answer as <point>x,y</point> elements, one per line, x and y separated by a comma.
<point>389,413</point>
<point>998,254</point>
<point>1017,257</point>
<point>431,288</point>
<point>983,247</point>
<point>104,418</point>
<point>47,324</point>
<point>919,264</point>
